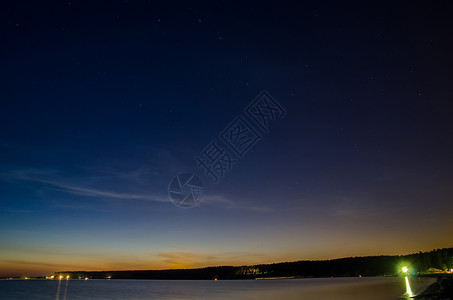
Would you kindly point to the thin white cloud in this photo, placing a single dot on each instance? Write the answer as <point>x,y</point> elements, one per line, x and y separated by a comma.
<point>53,178</point>
<point>40,176</point>
<point>93,192</point>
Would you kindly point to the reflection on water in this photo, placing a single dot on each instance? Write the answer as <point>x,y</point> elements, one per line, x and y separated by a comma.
<point>371,288</point>
<point>66,289</point>
<point>408,288</point>
<point>58,289</point>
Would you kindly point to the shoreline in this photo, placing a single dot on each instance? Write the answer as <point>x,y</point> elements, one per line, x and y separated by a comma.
<point>442,288</point>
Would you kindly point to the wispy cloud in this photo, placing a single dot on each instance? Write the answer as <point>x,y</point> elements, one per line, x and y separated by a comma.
<point>34,263</point>
<point>184,259</point>
<point>91,186</point>
<point>101,193</point>
<point>47,177</point>
<point>190,259</point>
<point>227,203</point>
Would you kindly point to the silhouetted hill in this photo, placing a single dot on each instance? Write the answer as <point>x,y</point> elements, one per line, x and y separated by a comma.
<point>419,263</point>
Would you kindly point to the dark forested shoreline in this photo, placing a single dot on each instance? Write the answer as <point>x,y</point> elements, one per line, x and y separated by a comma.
<point>423,263</point>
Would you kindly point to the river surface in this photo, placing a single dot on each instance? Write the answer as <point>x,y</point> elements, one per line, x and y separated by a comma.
<point>379,288</point>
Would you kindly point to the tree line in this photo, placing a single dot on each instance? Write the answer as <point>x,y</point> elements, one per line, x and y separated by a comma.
<point>385,265</point>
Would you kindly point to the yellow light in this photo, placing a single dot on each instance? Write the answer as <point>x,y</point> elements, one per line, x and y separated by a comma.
<point>60,277</point>
<point>408,288</point>
<point>67,277</point>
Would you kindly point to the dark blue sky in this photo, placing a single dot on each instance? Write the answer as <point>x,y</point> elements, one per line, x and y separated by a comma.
<point>103,102</point>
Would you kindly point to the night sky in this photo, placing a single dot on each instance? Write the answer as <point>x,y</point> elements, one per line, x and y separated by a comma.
<point>104,102</point>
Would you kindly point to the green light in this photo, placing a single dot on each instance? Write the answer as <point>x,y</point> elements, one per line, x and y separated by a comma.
<point>408,287</point>
<point>405,269</point>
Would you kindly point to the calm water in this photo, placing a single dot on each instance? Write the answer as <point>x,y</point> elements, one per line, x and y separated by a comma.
<point>325,288</point>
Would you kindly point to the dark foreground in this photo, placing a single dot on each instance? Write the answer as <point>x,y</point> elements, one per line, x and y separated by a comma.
<point>441,289</point>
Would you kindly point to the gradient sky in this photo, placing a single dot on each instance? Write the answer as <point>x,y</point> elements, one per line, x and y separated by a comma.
<point>103,102</point>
